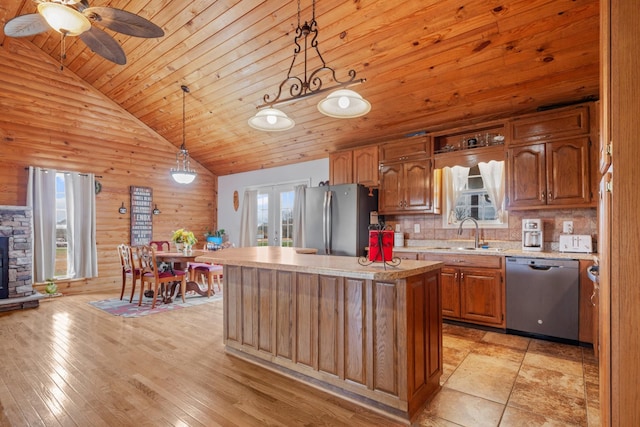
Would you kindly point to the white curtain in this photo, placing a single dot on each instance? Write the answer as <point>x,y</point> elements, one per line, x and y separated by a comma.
<point>493,177</point>
<point>41,197</point>
<point>454,181</point>
<point>249,219</point>
<point>298,216</point>
<point>82,256</point>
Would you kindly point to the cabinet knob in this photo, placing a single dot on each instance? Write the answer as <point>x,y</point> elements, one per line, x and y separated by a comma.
<point>542,196</point>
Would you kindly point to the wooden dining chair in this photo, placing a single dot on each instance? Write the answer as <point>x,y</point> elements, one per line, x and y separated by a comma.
<point>207,270</point>
<point>128,269</point>
<point>161,245</point>
<point>150,274</point>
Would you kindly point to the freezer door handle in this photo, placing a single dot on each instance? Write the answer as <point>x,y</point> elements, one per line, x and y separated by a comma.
<point>326,222</point>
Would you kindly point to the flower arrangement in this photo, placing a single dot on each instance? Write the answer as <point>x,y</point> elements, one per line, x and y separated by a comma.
<point>184,236</point>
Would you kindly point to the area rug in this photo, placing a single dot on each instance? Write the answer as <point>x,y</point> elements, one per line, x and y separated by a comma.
<point>123,308</point>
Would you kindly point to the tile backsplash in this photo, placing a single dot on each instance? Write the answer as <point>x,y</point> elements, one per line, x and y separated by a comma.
<point>584,222</point>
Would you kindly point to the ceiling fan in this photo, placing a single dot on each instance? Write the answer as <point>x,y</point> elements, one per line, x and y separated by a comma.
<point>75,18</point>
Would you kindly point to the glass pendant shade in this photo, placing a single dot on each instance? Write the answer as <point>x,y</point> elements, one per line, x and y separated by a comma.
<point>64,19</point>
<point>183,174</point>
<point>271,119</point>
<point>344,104</point>
<point>183,177</point>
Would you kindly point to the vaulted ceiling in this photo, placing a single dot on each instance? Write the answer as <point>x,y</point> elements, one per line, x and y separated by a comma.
<point>429,65</point>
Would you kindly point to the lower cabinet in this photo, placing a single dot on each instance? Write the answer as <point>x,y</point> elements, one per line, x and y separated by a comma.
<point>471,293</point>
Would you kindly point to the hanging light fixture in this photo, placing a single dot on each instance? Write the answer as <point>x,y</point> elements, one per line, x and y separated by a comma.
<point>342,103</point>
<point>183,174</point>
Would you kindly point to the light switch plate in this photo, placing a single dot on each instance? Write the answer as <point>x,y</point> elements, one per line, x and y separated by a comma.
<point>567,227</point>
<point>416,228</point>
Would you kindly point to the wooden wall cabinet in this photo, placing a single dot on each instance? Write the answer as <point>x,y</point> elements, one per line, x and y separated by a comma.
<point>551,174</point>
<point>365,166</point>
<point>552,124</point>
<point>472,288</point>
<point>357,166</point>
<point>341,168</point>
<point>405,176</point>
<point>405,187</point>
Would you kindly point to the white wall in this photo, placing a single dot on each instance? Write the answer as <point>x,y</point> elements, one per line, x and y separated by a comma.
<point>229,219</point>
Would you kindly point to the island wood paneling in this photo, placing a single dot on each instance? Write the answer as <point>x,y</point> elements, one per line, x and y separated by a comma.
<point>377,340</point>
<point>52,119</point>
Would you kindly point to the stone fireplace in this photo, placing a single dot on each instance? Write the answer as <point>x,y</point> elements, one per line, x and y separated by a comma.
<point>16,255</point>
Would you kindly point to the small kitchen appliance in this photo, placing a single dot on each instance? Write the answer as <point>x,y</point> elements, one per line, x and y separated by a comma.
<point>532,236</point>
<point>580,243</point>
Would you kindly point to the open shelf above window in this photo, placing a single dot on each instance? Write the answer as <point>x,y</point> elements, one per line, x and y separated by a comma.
<point>468,139</point>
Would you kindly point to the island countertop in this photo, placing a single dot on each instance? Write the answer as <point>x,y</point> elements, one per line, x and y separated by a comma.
<point>288,259</point>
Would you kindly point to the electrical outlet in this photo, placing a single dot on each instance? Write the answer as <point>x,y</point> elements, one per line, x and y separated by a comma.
<point>416,228</point>
<point>567,227</point>
<point>397,228</point>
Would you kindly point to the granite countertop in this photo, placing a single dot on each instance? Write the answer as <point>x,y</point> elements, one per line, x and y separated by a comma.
<point>462,248</point>
<point>289,260</point>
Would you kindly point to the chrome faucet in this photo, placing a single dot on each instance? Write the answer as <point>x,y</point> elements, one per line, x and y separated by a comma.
<point>477,242</point>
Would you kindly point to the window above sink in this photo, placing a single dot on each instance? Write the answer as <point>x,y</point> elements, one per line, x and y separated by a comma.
<point>477,192</point>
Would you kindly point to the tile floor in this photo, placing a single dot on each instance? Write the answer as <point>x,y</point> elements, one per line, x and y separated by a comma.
<point>493,379</point>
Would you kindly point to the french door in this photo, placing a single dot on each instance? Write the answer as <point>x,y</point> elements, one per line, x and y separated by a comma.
<point>275,215</point>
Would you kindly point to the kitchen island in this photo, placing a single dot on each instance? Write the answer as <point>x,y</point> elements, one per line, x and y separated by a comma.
<point>370,334</point>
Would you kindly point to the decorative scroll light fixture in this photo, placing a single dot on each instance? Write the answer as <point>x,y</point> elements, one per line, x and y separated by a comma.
<point>183,174</point>
<point>342,103</point>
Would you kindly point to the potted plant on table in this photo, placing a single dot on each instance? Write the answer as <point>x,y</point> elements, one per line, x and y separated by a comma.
<point>215,236</point>
<point>184,239</point>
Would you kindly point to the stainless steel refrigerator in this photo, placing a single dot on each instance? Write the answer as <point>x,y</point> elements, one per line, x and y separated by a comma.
<point>337,218</point>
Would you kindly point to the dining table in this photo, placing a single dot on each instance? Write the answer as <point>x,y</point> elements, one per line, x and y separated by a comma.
<point>182,259</point>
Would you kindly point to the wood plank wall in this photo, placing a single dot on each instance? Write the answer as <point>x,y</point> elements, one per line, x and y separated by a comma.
<point>53,119</point>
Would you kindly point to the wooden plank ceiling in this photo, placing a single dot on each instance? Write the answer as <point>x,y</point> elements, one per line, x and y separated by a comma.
<point>429,64</point>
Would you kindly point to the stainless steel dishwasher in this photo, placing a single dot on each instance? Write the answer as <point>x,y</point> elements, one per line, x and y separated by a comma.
<point>543,297</point>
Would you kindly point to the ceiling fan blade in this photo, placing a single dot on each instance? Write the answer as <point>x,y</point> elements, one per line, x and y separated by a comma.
<point>123,22</point>
<point>26,25</point>
<point>104,45</point>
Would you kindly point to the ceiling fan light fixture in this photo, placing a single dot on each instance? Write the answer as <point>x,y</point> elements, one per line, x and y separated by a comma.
<point>64,19</point>
<point>271,119</point>
<point>344,104</point>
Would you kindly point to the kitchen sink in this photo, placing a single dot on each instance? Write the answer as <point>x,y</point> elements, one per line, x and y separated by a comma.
<point>478,249</point>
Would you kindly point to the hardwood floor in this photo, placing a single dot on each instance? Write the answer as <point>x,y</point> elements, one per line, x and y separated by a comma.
<point>68,363</point>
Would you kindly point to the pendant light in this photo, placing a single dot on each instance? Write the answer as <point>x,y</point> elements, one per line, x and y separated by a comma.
<point>271,119</point>
<point>342,103</point>
<point>183,174</point>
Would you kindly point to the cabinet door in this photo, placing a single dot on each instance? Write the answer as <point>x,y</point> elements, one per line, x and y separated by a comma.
<point>390,196</point>
<point>341,168</point>
<point>568,180</point>
<point>450,292</point>
<point>365,166</point>
<point>417,185</point>
<point>526,176</point>
<point>481,296</point>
